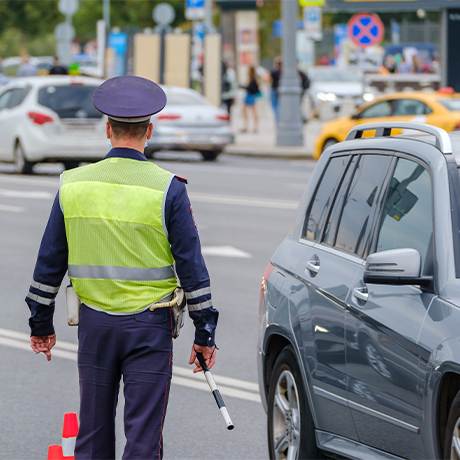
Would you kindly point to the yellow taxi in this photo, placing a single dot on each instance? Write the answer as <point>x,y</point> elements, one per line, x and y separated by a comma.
<point>437,108</point>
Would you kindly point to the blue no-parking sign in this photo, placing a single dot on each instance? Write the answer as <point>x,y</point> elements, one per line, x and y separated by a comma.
<point>365,30</point>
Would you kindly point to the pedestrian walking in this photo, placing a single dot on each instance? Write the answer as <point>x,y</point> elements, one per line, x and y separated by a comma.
<point>123,228</point>
<point>26,69</point>
<point>58,68</point>
<point>252,93</point>
<point>275,75</point>
<point>229,87</point>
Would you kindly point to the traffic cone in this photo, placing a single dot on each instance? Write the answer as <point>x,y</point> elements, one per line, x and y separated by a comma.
<point>69,435</point>
<point>55,453</point>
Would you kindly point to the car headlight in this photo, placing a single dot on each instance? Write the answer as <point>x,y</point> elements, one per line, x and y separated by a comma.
<point>368,97</point>
<point>329,97</point>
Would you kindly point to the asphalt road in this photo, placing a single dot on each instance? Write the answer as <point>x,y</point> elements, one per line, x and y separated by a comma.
<point>243,209</point>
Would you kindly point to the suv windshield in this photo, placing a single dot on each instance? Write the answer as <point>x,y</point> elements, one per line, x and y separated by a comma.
<point>71,101</point>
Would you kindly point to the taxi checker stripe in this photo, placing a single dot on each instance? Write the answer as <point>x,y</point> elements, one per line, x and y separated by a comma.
<point>121,273</point>
<point>45,288</point>
<point>198,293</point>
<point>199,306</point>
<point>39,299</point>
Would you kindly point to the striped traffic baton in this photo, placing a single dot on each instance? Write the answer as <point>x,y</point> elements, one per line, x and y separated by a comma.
<point>215,392</point>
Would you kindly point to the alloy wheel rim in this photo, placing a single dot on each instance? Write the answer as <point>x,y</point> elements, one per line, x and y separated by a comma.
<point>455,447</point>
<point>286,418</point>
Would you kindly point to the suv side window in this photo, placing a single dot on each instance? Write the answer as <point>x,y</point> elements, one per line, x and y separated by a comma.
<point>360,203</point>
<point>407,220</point>
<point>324,196</point>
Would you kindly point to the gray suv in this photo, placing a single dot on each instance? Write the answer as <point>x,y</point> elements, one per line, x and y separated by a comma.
<point>359,343</point>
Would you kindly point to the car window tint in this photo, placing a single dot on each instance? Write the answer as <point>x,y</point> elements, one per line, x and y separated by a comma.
<point>185,98</point>
<point>407,219</point>
<point>324,196</point>
<point>354,225</point>
<point>381,109</point>
<point>70,101</point>
<point>334,216</point>
<point>5,98</point>
<point>19,94</point>
<point>410,107</point>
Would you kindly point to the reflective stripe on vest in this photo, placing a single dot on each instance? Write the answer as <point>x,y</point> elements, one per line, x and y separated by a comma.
<point>120,259</point>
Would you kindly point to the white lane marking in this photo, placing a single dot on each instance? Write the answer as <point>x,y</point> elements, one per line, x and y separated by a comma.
<point>6,208</point>
<point>30,195</point>
<point>182,376</point>
<point>225,251</point>
<point>243,201</point>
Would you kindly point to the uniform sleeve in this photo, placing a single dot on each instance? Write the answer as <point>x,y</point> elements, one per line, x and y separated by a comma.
<point>190,266</point>
<point>49,271</point>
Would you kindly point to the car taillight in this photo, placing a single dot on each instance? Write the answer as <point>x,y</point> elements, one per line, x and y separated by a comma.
<point>40,118</point>
<point>168,116</point>
<point>457,127</point>
<point>267,272</point>
<point>222,116</point>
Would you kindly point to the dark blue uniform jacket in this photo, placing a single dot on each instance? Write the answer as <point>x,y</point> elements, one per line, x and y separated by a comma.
<point>51,263</point>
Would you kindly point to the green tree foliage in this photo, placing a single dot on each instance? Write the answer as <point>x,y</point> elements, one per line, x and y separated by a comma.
<point>31,17</point>
<point>137,13</point>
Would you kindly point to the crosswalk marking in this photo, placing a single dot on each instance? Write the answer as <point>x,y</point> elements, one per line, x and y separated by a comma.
<point>225,251</point>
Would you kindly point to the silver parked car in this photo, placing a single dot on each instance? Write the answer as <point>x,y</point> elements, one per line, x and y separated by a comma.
<point>50,118</point>
<point>333,85</point>
<point>189,122</point>
<point>359,338</point>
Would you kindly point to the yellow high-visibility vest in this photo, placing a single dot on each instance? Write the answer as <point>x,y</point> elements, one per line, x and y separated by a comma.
<point>120,258</point>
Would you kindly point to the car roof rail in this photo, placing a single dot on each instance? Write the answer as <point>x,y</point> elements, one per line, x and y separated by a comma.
<point>383,129</point>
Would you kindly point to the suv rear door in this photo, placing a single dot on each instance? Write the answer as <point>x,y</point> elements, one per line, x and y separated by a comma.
<point>383,322</point>
<point>327,271</point>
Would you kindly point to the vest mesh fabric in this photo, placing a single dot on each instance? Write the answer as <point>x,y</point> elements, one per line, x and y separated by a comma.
<point>113,212</point>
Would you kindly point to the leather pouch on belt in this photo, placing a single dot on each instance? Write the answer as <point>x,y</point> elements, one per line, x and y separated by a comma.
<point>178,310</point>
<point>73,306</point>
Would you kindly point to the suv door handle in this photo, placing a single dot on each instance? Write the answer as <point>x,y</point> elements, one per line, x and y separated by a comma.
<point>313,265</point>
<point>361,293</point>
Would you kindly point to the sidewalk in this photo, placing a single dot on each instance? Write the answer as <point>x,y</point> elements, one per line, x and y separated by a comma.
<point>263,143</point>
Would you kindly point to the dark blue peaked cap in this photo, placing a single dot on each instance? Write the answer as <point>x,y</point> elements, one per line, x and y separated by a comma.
<point>129,99</point>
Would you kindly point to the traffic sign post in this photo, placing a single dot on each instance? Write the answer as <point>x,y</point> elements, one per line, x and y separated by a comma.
<point>312,22</point>
<point>365,30</point>
<point>195,9</point>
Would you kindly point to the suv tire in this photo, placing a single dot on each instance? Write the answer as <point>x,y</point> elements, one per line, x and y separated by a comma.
<point>451,448</point>
<point>291,431</point>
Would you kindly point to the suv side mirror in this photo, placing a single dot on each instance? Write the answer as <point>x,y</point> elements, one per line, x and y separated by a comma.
<point>396,266</point>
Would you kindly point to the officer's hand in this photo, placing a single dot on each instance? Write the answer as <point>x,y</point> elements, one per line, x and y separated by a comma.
<point>43,344</point>
<point>209,355</point>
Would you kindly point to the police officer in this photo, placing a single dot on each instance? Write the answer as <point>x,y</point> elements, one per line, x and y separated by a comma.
<point>118,226</point>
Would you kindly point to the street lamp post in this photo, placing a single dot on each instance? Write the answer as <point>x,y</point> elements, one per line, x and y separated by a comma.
<point>289,91</point>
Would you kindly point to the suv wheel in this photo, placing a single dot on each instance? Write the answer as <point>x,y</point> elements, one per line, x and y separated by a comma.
<point>452,443</point>
<point>21,165</point>
<point>291,431</point>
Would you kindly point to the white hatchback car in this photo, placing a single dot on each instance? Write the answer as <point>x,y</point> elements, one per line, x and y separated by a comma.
<point>50,119</point>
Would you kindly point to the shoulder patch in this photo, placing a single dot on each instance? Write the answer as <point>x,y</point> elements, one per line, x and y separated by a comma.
<point>182,179</point>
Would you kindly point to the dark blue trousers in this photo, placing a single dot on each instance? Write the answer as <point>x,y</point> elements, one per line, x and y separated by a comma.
<point>139,348</point>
